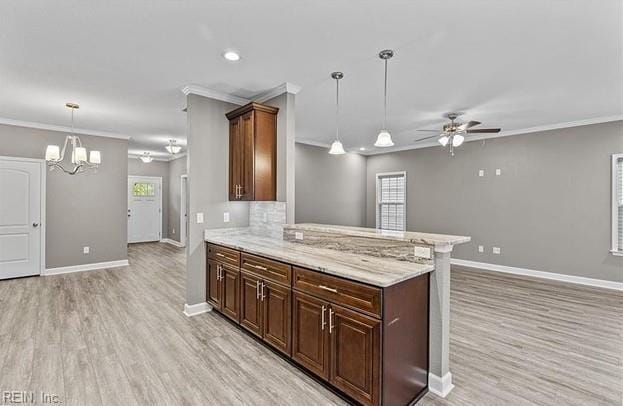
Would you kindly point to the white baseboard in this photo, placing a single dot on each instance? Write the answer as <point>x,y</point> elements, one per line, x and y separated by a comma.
<point>86,267</point>
<point>199,308</point>
<point>579,280</point>
<point>440,386</point>
<point>173,242</point>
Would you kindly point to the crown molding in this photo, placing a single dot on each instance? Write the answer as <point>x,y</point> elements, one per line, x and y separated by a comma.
<point>313,143</point>
<point>61,128</point>
<point>529,130</point>
<point>261,97</point>
<point>285,87</point>
<point>214,94</point>
<point>159,158</point>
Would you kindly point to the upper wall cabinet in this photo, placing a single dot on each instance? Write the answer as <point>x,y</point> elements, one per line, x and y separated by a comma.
<point>253,152</point>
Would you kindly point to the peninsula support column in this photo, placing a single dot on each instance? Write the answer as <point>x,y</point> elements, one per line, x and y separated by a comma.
<point>440,378</point>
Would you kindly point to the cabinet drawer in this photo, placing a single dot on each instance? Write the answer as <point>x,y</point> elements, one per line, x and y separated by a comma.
<point>364,298</point>
<point>225,255</point>
<point>268,269</point>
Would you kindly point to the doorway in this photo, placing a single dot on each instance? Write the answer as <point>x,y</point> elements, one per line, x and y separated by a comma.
<point>184,210</point>
<point>22,217</point>
<point>144,208</point>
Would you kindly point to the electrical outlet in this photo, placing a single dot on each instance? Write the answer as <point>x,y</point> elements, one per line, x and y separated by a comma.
<point>497,250</point>
<point>86,250</point>
<point>481,173</point>
<point>199,218</point>
<point>298,235</point>
<point>498,172</point>
<point>481,248</point>
<point>226,217</point>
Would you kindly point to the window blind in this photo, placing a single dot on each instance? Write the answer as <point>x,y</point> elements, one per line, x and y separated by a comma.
<point>619,194</point>
<point>391,201</point>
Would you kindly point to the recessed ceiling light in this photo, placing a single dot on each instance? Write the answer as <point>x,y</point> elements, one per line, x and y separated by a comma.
<point>231,56</point>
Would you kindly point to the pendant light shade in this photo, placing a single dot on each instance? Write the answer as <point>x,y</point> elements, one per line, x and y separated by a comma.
<point>457,140</point>
<point>337,148</point>
<point>173,148</point>
<point>384,139</point>
<point>444,140</point>
<point>146,157</point>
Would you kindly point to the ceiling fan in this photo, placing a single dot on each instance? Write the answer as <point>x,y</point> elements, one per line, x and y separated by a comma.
<point>453,133</point>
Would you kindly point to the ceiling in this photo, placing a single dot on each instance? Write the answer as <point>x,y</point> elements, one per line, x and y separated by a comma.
<point>510,64</point>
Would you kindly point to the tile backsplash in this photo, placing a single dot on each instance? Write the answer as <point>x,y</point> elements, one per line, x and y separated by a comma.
<point>267,218</point>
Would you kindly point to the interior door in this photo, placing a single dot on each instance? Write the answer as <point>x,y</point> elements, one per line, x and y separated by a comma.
<point>310,338</point>
<point>277,316</point>
<point>144,209</point>
<point>250,303</point>
<point>20,218</point>
<point>355,357</point>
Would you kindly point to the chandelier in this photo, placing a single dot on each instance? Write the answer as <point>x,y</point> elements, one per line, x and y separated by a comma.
<point>54,155</point>
<point>173,148</point>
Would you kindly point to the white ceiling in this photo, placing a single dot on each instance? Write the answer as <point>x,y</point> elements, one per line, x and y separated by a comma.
<point>514,64</point>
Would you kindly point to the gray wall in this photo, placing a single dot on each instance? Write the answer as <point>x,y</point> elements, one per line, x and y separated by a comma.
<point>330,188</point>
<point>88,209</point>
<point>177,168</point>
<point>208,160</point>
<point>136,167</point>
<point>548,211</point>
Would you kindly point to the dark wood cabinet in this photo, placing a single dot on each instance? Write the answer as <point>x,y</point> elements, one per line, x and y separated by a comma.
<point>369,343</point>
<point>355,354</point>
<point>253,152</point>
<point>310,343</point>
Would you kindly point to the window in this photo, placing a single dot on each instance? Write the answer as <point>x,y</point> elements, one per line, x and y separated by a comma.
<point>391,201</point>
<point>617,204</point>
<point>143,189</point>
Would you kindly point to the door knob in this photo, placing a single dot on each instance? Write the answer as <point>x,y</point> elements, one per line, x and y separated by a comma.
<point>35,224</point>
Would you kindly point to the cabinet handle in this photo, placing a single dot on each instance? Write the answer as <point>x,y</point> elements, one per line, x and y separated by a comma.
<point>219,273</point>
<point>259,267</point>
<point>262,286</point>
<point>331,326</point>
<point>322,322</point>
<point>257,289</point>
<point>323,287</point>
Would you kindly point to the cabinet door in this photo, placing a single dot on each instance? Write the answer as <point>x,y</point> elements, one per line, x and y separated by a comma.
<point>310,338</point>
<point>247,156</point>
<point>277,315</point>
<point>355,354</point>
<point>213,287</point>
<point>235,153</point>
<point>250,303</point>
<point>230,294</point>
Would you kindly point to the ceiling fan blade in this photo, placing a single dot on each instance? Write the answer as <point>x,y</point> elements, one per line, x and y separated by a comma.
<point>467,125</point>
<point>428,131</point>
<point>484,130</point>
<point>426,138</point>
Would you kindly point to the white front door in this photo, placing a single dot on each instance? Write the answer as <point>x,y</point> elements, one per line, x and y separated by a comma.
<point>20,218</point>
<point>144,208</point>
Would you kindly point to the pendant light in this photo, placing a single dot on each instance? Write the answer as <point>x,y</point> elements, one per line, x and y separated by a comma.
<point>146,157</point>
<point>173,148</point>
<point>337,148</point>
<point>384,138</point>
<point>54,155</point>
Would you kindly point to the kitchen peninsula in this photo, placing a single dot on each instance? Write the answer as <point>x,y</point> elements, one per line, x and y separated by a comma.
<point>361,309</point>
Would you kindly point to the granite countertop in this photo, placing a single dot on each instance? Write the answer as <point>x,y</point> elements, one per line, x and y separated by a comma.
<point>380,272</point>
<point>436,240</point>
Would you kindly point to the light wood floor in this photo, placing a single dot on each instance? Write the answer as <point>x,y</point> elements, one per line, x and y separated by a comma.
<point>118,337</point>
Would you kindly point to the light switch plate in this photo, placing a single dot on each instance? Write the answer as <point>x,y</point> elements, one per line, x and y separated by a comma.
<point>199,218</point>
<point>481,173</point>
<point>496,250</point>
<point>86,250</point>
<point>498,172</point>
<point>422,252</point>
<point>226,217</point>
<point>481,248</point>
<point>298,235</point>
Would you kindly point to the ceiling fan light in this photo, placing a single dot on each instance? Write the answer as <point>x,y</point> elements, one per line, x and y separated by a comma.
<point>444,140</point>
<point>457,140</point>
<point>337,148</point>
<point>52,153</point>
<point>384,140</point>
